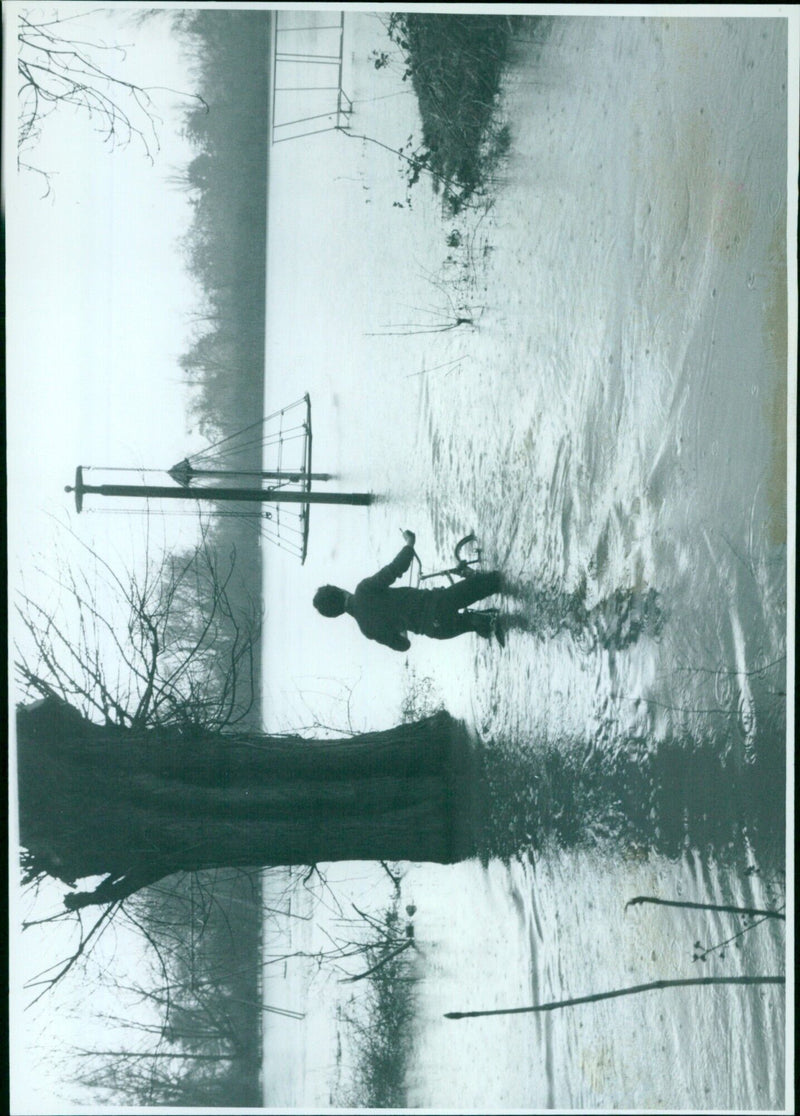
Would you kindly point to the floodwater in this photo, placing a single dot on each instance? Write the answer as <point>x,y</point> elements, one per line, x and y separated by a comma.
<point>611,422</point>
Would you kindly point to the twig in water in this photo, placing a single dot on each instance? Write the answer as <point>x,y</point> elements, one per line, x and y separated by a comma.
<point>719,948</point>
<point>435,368</point>
<point>703,907</point>
<point>652,987</point>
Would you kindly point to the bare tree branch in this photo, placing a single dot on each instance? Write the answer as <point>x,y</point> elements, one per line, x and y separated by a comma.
<point>58,71</point>
<point>106,915</point>
<point>185,656</point>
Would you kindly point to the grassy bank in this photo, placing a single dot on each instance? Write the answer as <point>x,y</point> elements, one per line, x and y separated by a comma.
<point>455,64</point>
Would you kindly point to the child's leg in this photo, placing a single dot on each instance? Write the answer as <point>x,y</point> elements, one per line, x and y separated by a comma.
<point>468,591</point>
<point>448,624</point>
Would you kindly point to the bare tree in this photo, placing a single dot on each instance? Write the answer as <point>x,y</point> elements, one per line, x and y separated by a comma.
<point>135,762</point>
<point>441,321</point>
<point>60,70</point>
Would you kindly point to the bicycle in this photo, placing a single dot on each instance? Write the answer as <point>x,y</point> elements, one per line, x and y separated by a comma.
<point>465,567</point>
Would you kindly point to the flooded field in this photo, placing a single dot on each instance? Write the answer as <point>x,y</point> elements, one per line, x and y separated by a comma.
<point>591,375</point>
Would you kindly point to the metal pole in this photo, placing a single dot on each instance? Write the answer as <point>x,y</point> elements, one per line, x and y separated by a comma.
<point>183,473</point>
<point>312,27</point>
<point>248,495</point>
<point>305,119</point>
<point>296,477</point>
<point>305,135</point>
<point>309,59</point>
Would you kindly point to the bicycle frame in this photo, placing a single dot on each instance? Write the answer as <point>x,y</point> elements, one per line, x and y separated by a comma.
<point>464,567</point>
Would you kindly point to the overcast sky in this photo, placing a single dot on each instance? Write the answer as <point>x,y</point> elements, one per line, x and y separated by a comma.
<point>98,300</point>
<point>98,308</point>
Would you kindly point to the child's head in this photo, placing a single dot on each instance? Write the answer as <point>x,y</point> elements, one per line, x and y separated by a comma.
<point>330,600</point>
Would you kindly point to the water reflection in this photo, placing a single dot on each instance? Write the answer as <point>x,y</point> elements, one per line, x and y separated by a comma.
<point>638,795</point>
<point>602,419</point>
<point>614,623</point>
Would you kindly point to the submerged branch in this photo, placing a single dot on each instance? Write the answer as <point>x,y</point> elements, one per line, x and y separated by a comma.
<point>754,911</point>
<point>633,990</point>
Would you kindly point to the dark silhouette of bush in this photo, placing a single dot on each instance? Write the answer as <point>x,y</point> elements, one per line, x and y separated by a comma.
<point>455,64</point>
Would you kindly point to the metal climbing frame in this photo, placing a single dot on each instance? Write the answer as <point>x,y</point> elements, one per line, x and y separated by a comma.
<point>307,65</point>
<point>261,474</point>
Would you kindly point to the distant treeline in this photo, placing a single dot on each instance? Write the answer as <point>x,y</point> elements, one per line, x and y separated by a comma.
<point>225,247</point>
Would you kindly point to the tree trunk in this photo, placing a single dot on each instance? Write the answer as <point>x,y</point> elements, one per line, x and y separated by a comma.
<point>136,806</point>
